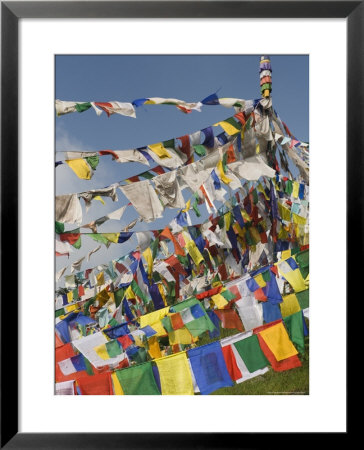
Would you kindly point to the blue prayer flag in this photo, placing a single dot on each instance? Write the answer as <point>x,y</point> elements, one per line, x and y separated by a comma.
<point>209,368</point>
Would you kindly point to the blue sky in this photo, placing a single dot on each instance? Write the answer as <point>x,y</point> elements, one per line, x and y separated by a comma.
<point>126,78</point>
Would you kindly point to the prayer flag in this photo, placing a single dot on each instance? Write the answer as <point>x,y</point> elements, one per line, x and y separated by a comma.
<point>277,339</point>
<point>138,380</point>
<point>251,353</point>
<point>99,384</point>
<point>175,375</point>
<point>209,368</point>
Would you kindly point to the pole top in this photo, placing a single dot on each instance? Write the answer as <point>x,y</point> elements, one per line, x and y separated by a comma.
<point>265,74</point>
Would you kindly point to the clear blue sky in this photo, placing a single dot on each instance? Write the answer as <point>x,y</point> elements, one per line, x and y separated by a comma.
<point>126,78</point>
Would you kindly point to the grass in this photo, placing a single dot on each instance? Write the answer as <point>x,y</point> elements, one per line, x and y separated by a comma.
<point>291,382</point>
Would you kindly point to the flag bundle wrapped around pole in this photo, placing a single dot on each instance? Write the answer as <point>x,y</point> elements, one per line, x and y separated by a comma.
<point>265,72</point>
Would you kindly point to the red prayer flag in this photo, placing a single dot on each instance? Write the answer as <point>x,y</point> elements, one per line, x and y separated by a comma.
<point>230,362</point>
<point>70,237</point>
<point>278,366</point>
<point>229,318</point>
<point>259,295</point>
<point>108,152</point>
<point>125,341</point>
<point>176,321</point>
<point>96,385</point>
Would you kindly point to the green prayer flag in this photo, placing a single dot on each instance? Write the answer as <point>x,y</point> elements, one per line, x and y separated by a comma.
<point>289,187</point>
<point>255,196</point>
<point>113,348</point>
<point>303,261</point>
<point>81,107</point>
<point>224,162</point>
<point>248,237</point>
<point>75,294</point>
<point>166,322</point>
<point>266,276</point>
<point>140,356</point>
<point>248,124</point>
<point>99,238</point>
<point>294,325</point>
<point>77,244</point>
<point>147,175</point>
<point>93,161</point>
<point>233,122</point>
<point>118,296</point>
<point>251,353</point>
<point>200,149</point>
<point>59,227</point>
<point>89,369</point>
<point>228,295</point>
<point>139,292</point>
<point>138,380</point>
<point>195,208</point>
<point>87,305</point>
<point>303,298</point>
<point>198,326</point>
<point>154,245</point>
<point>156,277</point>
<point>113,322</point>
<point>60,312</point>
<point>169,143</point>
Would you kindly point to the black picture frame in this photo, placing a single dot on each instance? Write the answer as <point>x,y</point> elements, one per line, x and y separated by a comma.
<point>11,12</point>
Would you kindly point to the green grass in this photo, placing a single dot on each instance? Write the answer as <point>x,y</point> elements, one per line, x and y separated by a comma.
<point>290,382</point>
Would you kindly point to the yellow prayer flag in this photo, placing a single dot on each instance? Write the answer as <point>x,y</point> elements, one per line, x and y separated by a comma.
<point>219,301</point>
<point>289,305</point>
<point>296,188</point>
<point>118,390</point>
<point>175,375</point>
<point>194,252</point>
<point>181,336</point>
<point>153,319</point>
<point>227,127</point>
<point>222,175</point>
<point>148,255</point>
<point>81,168</point>
<point>102,297</point>
<point>153,347</point>
<point>100,279</point>
<point>261,189</point>
<point>260,280</point>
<point>71,308</point>
<point>188,204</point>
<point>159,150</point>
<point>102,352</point>
<point>293,277</point>
<point>100,199</point>
<point>245,215</point>
<point>70,297</point>
<point>277,339</point>
<point>138,340</point>
<point>158,327</point>
<point>129,293</point>
<point>286,254</point>
<point>299,220</point>
<point>112,237</point>
<point>227,220</point>
<point>155,316</point>
<point>163,295</point>
<point>284,212</point>
<point>255,234</point>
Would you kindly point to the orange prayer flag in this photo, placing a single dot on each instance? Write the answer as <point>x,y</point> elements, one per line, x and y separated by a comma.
<point>177,248</point>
